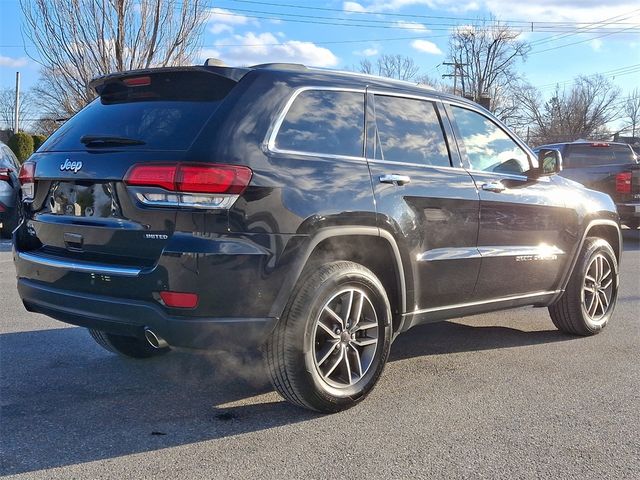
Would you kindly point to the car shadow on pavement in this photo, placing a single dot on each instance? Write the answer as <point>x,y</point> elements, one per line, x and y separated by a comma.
<point>5,245</point>
<point>64,401</point>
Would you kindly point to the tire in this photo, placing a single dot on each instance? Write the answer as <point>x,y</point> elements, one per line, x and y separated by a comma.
<point>9,224</point>
<point>579,311</point>
<point>315,360</point>
<point>132,347</point>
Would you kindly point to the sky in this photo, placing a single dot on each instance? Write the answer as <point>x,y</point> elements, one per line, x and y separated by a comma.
<point>568,37</point>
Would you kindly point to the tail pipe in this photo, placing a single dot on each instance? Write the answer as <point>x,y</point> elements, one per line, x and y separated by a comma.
<point>156,341</point>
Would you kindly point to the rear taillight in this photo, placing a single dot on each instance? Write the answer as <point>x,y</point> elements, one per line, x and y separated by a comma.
<point>188,184</point>
<point>27,180</point>
<point>5,174</point>
<point>623,182</point>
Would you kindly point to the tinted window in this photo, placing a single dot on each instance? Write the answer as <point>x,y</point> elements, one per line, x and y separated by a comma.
<point>488,146</point>
<point>588,155</point>
<point>165,114</point>
<point>409,130</point>
<point>8,159</point>
<point>328,122</point>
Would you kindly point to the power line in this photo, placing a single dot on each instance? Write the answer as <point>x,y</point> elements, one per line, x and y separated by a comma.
<point>391,14</point>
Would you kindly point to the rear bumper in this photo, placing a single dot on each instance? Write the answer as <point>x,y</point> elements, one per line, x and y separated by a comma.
<point>130,317</point>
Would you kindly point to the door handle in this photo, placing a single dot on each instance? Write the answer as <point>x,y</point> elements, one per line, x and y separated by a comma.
<point>395,179</point>
<point>495,186</point>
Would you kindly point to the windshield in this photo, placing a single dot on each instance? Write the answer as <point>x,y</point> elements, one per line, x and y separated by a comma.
<point>588,155</point>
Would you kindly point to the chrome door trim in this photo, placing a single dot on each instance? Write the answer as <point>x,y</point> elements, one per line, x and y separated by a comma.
<point>538,252</point>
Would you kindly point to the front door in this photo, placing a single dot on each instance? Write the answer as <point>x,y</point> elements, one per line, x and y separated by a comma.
<point>522,219</point>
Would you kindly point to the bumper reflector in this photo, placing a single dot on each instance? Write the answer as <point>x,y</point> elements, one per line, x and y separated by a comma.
<point>179,300</point>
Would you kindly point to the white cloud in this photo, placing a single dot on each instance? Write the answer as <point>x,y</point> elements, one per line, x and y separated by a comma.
<point>596,44</point>
<point>426,46</point>
<point>411,26</point>
<point>13,62</point>
<point>218,28</point>
<point>367,52</point>
<point>266,47</point>
<point>222,20</point>
<point>353,7</point>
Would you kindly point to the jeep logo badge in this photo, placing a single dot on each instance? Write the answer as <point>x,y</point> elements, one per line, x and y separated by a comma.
<point>69,166</point>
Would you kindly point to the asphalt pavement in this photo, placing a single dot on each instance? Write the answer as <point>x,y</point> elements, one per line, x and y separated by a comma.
<point>501,395</point>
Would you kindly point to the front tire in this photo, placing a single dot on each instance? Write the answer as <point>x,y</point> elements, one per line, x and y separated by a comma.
<point>589,300</point>
<point>331,345</point>
<point>132,347</point>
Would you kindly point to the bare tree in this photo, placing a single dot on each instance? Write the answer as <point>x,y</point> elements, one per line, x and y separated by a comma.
<point>485,58</point>
<point>631,112</point>
<point>78,40</point>
<point>7,108</point>
<point>581,111</point>
<point>395,66</point>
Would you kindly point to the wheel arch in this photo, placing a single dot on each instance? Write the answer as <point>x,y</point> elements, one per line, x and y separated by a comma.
<point>374,248</point>
<point>610,231</point>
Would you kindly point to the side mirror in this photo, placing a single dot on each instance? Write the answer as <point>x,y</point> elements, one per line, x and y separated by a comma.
<point>549,162</point>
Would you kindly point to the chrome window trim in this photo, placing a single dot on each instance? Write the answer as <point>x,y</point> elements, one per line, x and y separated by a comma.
<point>270,141</point>
<point>420,165</point>
<point>79,266</point>
<point>484,302</point>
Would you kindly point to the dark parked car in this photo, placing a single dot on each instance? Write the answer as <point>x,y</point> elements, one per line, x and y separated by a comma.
<point>317,214</point>
<point>9,191</point>
<point>608,167</point>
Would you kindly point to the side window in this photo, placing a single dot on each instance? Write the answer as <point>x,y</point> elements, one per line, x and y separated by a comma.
<point>488,146</point>
<point>409,130</point>
<point>324,121</point>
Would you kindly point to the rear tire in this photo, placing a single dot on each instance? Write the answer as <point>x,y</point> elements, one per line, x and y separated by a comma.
<point>331,345</point>
<point>132,347</point>
<point>589,300</point>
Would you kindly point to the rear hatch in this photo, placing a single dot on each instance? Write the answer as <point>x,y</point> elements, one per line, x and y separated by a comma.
<point>608,167</point>
<point>82,209</point>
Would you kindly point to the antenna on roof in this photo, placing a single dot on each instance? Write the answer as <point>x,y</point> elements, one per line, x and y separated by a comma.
<point>214,62</point>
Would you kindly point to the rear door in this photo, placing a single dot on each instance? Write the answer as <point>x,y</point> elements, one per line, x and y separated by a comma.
<point>522,220</point>
<point>82,209</point>
<point>423,197</point>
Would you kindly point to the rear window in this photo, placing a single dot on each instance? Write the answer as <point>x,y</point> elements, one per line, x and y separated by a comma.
<point>164,111</point>
<point>324,122</point>
<point>588,155</point>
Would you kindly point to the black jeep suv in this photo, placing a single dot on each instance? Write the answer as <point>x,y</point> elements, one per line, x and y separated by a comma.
<point>317,214</point>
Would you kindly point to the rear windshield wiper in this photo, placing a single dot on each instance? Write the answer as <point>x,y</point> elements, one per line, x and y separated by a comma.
<point>100,140</point>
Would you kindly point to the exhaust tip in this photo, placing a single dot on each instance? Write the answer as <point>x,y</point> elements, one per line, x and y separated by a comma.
<point>154,340</point>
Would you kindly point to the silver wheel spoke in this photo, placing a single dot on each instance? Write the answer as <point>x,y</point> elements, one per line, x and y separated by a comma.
<point>607,285</point>
<point>327,353</point>
<point>346,361</point>
<point>366,325</point>
<point>604,301</point>
<point>335,316</point>
<point>359,361</point>
<point>328,330</point>
<point>593,304</point>
<point>589,289</point>
<point>606,275</point>
<point>356,317</point>
<point>590,278</point>
<point>346,317</point>
<point>336,363</point>
<point>363,342</point>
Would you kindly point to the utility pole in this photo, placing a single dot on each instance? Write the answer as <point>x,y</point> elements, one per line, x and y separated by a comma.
<point>456,66</point>
<point>16,116</point>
